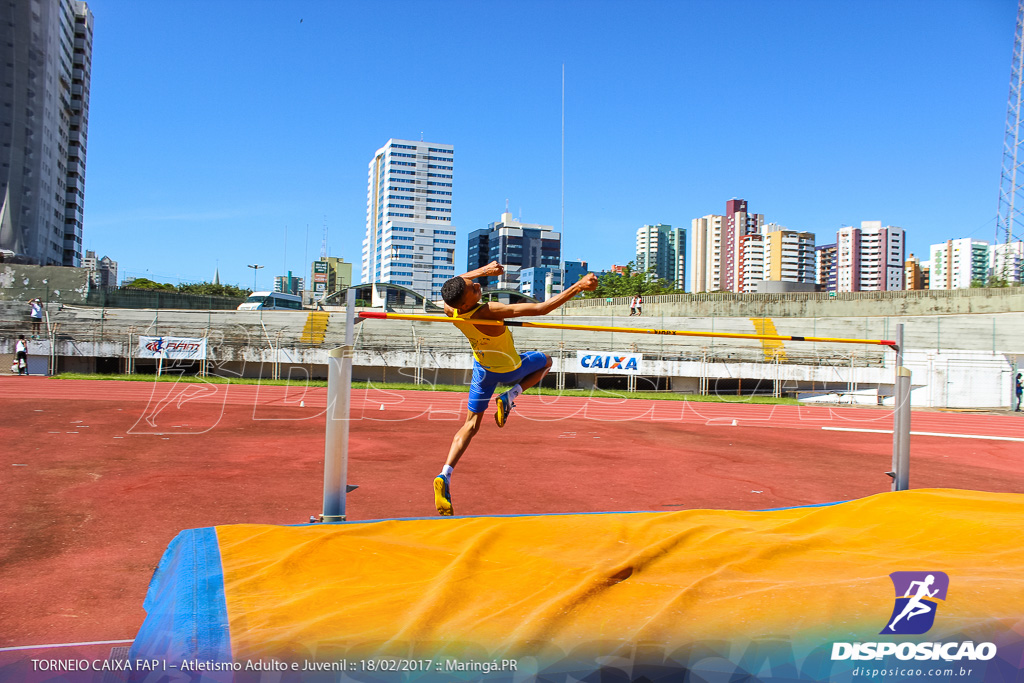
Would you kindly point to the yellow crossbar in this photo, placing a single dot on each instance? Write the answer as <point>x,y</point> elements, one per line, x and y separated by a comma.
<point>375,315</point>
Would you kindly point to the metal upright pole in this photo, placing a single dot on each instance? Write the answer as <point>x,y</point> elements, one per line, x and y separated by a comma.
<point>896,402</point>
<point>901,419</point>
<point>902,481</point>
<point>339,392</point>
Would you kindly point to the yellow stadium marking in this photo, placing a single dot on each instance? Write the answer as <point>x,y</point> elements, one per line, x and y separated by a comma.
<point>773,348</point>
<point>316,328</point>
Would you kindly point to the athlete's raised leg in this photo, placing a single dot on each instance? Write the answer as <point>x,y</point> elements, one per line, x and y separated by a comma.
<point>506,401</point>
<point>443,481</point>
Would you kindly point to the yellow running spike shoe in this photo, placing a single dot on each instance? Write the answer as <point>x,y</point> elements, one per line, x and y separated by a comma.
<point>443,495</point>
<point>505,406</point>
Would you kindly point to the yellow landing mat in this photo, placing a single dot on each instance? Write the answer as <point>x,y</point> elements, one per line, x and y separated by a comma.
<point>511,586</point>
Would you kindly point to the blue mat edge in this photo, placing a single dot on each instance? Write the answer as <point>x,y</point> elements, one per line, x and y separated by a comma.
<point>189,571</point>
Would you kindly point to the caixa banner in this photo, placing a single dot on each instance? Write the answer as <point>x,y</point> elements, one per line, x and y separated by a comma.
<point>176,348</point>
<point>612,363</point>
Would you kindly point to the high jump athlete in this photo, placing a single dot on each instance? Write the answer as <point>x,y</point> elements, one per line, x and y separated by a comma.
<point>495,359</point>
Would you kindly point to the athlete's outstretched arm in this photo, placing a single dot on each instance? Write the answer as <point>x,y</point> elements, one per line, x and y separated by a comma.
<point>492,269</point>
<point>499,311</point>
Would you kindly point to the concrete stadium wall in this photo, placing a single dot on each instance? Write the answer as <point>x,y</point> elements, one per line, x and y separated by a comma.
<point>50,283</point>
<point>957,360</point>
<point>949,378</point>
<point>812,305</point>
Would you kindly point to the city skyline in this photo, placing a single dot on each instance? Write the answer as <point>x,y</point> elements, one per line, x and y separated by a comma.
<point>866,123</point>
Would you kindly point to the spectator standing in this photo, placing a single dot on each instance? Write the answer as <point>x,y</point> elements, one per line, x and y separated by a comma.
<point>21,355</point>
<point>35,311</point>
<point>1020,391</point>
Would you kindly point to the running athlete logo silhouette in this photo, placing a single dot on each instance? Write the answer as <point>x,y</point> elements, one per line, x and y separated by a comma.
<point>916,601</point>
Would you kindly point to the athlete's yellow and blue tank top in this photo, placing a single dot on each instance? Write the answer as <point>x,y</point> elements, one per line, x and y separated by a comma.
<point>494,354</point>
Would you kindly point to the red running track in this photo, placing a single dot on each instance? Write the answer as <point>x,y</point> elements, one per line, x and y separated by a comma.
<point>99,476</point>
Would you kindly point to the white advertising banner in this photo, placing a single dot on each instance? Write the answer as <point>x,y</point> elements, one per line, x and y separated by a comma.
<point>177,348</point>
<point>610,363</point>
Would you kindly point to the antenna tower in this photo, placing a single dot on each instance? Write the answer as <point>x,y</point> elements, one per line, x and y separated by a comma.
<point>324,244</point>
<point>1011,199</point>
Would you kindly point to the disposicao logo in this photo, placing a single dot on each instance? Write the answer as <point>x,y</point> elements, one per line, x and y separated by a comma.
<point>917,596</point>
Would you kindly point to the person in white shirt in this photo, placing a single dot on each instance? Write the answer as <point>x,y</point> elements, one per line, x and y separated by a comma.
<point>35,311</point>
<point>21,355</point>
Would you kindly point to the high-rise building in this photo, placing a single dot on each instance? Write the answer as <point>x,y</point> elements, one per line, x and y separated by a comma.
<point>46,64</point>
<point>410,239</point>
<point>329,276</point>
<point>103,271</point>
<point>789,255</point>
<point>661,251</point>
<point>915,273</point>
<point>517,245</point>
<point>737,223</point>
<point>289,284</point>
<point>478,255</point>
<point>706,261</point>
<point>1007,262</point>
<point>869,258</point>
<point>736,251</point>
<point>959,263</point>
<point>751,262</point>
<point>540,282</point>
<point>825,266</point>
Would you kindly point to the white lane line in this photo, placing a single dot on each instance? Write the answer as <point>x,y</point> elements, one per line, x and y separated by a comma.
<point>51,645</point>
<point>951,436</point>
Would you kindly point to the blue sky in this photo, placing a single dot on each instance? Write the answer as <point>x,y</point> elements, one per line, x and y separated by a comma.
<point>217,124</point>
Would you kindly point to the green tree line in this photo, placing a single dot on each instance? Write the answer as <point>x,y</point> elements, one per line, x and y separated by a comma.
<point>631,282</point>
<point>198,288</point>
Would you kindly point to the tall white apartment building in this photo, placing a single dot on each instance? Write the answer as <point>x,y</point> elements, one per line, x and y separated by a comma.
<point>870,258</point>
<point>706,262</point>
<point>958,263</point>
<point>45,72</point>
<point>661,249</point>
<point>1006,261</point>
<point>750,261</point>
<point>410,239</point>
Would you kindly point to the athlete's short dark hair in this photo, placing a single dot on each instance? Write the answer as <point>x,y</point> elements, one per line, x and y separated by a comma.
<point>453,290</point>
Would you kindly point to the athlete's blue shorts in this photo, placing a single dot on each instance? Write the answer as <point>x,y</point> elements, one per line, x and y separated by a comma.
<point>484,381</point>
